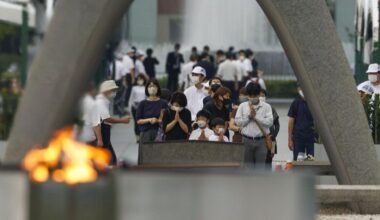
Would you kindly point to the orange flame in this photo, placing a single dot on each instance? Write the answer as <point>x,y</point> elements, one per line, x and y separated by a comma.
<point>66,160</point>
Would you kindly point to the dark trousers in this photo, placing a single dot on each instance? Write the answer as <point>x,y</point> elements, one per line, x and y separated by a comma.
<point>268,160</point>
<point>234,92</point>
<point>119,101</point>
<point>128,78</point>
<point>137,129</point>
<point>172,83</point>
<point>106,135</point>
<point>255,153</point>
<point>303,145</point>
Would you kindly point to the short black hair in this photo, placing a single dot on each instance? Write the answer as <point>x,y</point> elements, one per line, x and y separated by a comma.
<point>220,52</point>
<point>204,113</point>
<point>253,89</point>
<point>248,52</point>
<point>149,51</point>
<point>141,76</point>
<point>155,82</point>
<point>206,47</point>
<point>217,121</point>
<point>179,98</point>
<point>230,56</point>
<point>242,51</point>
<point>204,55</point>
<point>177,46</point>
<point>194,48</point>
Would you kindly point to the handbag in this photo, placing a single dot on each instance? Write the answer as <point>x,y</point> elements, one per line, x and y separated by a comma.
<point>160,137</point>
<point>268,137</point>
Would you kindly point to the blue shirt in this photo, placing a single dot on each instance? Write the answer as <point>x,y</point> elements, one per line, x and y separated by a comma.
<point>150,109</point>
<point>304,123</point>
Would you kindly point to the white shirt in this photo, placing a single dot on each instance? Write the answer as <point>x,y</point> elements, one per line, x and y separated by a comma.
<point>369,88</point>
<point>228,71</point>
<point>137,95</point>
<point>184,77</point>
<point>140,69</point>
<point>195,98</point>
<point>247,65</point>
<point>128,63</point>
<point>241,69</point>
<point>120,70</point>
<point>196,133</point>
<point>263,116</point>
<point>104,107</point>
<point>215,137</point>
<point>90,117</point>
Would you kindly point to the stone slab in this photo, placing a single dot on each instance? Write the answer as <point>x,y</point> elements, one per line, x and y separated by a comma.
<point>191,152</point>
<point>222,196</point>
<point>14,200</point>
<point>347,193</point>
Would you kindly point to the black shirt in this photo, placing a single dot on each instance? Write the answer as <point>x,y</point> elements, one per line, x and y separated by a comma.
<point>176,133</point>
<point>304,124</point>
<point>217,113</point>
<point>150,109</point>
<point>149,64</point>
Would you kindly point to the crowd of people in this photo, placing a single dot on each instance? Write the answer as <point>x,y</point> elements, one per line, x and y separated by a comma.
<point>219,99</point>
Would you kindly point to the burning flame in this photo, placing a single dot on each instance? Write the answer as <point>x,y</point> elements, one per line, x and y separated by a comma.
<point>66,160</point>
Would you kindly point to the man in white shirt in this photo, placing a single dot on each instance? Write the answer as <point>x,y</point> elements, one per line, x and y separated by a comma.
<point>107,93</point>
<point>246,62</point>
<point>184,78</point>
<point>91,132</point>
<point>250,116</point>
<point>230,74</point>
<point>196,93</point>
<point>140,69</point>
<point>372,85</point>
<point>130,73</point>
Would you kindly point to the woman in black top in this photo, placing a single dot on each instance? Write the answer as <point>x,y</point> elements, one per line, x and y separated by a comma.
<point>221,106</point>
<point>176,120</point>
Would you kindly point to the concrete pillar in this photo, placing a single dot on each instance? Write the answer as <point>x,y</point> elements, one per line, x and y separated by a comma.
<point>62,70</point>
<point>311,43</point>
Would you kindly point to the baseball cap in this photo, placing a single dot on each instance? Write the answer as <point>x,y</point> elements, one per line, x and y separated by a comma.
<point>107,86</point>
<point>373,68</point>
<point>199,70</point>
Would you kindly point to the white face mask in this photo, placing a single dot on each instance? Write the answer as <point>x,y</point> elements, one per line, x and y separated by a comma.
<point>140,82</point>
<point>254,101</point>
<point>152,90</point>
<point>372,77</point>
<point>112,95</point>
<point>195,79</point>
<point>301,93</point>
<point>176,108</point>
<point>262,99</point>
<point>221,130</point>
<point>201,123</point>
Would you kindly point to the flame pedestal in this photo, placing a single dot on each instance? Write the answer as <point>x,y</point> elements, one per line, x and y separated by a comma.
<point>58,201</point>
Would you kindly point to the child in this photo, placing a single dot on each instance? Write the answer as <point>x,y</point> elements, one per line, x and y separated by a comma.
<point>218,125</point>
<point>202,133</point>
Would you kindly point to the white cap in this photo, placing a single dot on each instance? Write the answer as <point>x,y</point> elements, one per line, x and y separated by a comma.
<point>373,68</point>
<point>108,85</point>
<point>199,70</point>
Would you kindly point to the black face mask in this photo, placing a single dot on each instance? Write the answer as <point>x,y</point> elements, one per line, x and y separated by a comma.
<point>227,104</point>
